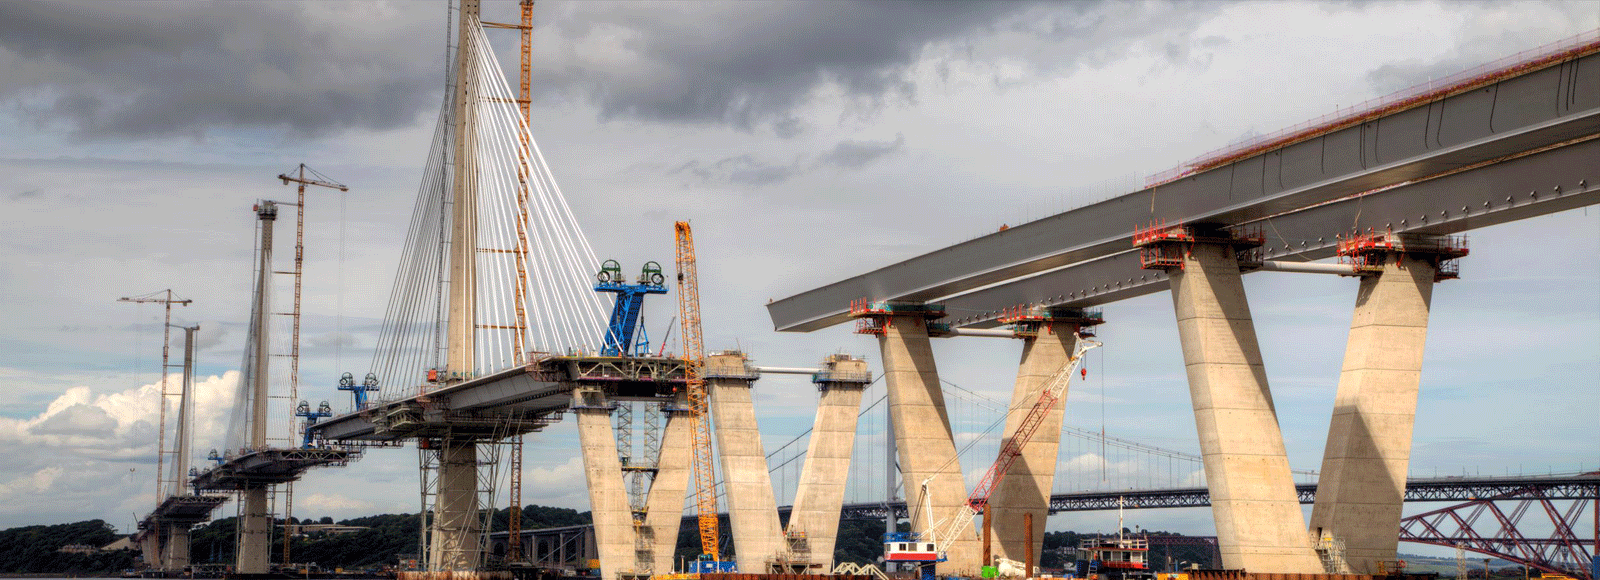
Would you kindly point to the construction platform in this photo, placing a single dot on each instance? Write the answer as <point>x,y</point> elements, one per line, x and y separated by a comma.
<point>510,402</point>
<point>268,467</point>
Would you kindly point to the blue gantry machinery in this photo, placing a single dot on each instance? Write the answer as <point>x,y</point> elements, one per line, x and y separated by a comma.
<point>625,335</point>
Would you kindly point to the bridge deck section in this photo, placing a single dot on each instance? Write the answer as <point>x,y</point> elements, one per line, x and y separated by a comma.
<point>1530,109</point>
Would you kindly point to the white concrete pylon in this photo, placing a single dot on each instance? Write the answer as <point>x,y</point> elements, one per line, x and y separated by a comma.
<point>253,532</point>
<point>1026,487</point>
<point>1362,484</point>
<point>1254,503</point>
<point>614,537</point>
<point>820,495</point>
<point>923,442</point>
<point>752,508</point>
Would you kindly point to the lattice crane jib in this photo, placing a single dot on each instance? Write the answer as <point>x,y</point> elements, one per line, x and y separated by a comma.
<point>699,404</point>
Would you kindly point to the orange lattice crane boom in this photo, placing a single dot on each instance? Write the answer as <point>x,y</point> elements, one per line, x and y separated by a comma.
<point>694,352</point>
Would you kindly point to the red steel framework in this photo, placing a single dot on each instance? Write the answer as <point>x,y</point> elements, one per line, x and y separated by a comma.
<point>1418,95</point>
<point>1366,252</point>
<point>1502,533</point>
<point>1164,247</point>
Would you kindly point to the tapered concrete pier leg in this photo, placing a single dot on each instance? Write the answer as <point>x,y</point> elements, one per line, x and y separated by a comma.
<point>752,509</point>
<point>1026,487</point>
<point>814,522</point>
<point>254,537</point>
<point>665,504</point>
<point>457,537</point>
<point>177,548</point>
<point>1253,499</point>
<point>1363,481</point>
<point>922,435</point>
<point>150,548</point>
<point>615,539</point>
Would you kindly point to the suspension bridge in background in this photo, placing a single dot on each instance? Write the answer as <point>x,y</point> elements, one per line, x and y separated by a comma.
<point>1524,519</point>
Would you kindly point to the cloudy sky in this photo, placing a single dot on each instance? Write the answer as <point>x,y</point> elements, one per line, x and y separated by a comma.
<point>807,142</point>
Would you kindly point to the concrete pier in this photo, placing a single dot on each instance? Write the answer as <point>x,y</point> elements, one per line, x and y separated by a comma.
<point>1254,503</point>
<point>176,556</point>
<point>664,515</point>
<point>615,538</point>
<point>814,521</point>
<point>456,530</point>
<point>1026,487</point>
<point>254,529</point>
<point>923,440</point>
<point>752,509</point>
<point>1363,479</point>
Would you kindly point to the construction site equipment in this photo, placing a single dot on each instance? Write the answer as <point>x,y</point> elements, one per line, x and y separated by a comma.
<point>303,410</point>
<point>299,178</point>
<point>166,298</point>
<point>694,352</point>
<point>524,102</point>
<point>625,335</point>
<point>930,546</point>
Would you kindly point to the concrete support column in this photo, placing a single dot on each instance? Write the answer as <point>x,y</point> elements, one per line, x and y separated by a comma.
<point>1026,487</point>
<point>177,548</point>
<point>752,509</point>
<point>608,498</point>
<point>1253,499</point>
<point>922,436</point>
<point>254,533</point>
<point>665,505</point>
<point>456,536</point>
<point>150,548</point>
<point>1362,486</point>
<point>820,496</point>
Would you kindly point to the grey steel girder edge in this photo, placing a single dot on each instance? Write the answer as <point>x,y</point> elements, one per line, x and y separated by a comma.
<point>1538,184</point>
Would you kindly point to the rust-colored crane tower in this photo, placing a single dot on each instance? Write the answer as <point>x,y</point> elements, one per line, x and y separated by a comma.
<point>299,178</point>
<point>525,101</point>
<point>694,352</point>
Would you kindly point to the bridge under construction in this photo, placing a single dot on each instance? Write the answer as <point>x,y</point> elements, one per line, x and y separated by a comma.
<point>497,328</point>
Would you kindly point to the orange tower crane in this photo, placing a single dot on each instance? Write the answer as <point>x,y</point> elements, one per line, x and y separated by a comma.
<point>302,181</point>
<point>525,102</point>
<point>694,352</point>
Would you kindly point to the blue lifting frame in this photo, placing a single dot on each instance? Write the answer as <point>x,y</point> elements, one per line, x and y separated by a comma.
<point>624,334</point>
<point>304,410</point>
<point>347,382</point>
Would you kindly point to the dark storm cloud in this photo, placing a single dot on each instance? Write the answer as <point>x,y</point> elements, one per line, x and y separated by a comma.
<point>108,70</point>
<point>857,154</point>
<point>752,63</point>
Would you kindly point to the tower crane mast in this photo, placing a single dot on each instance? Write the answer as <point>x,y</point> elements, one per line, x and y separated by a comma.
<point>298,177</point>
<point>525,103</point>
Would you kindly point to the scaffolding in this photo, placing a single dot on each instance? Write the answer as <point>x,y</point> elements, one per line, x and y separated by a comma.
<point>1165,247</point>
<point>873,317</point>
<point>1026,321</point>
<point>1366,252</point>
